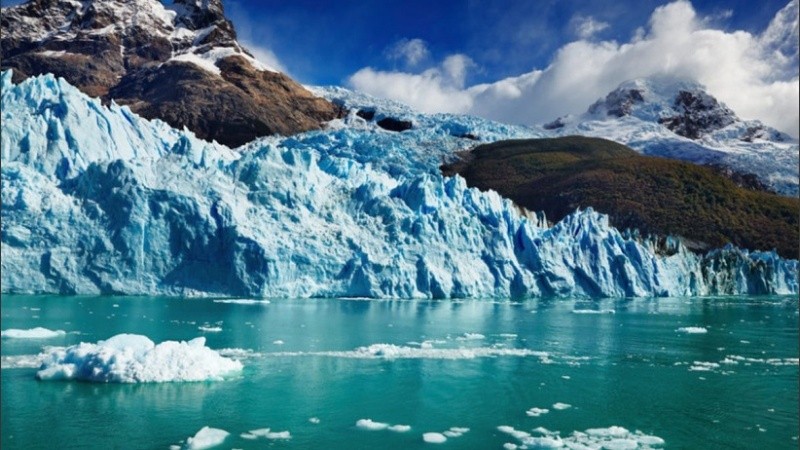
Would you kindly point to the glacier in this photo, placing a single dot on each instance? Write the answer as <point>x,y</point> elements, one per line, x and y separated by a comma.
<point>97,200</point>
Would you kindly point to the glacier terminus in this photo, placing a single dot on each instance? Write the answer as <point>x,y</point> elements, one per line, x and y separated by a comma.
<point>97,200</point>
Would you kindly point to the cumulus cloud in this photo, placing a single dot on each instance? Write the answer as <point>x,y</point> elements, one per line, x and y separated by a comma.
<point>755,74</point>
<point>438,89</point>
<point>410,51</point>
<point>586,27</point>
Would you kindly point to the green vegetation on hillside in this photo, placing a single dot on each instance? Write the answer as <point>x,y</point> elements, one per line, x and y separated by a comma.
<point>655,195</point>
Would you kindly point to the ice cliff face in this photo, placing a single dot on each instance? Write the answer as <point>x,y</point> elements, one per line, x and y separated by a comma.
<point>98,200</point>
<point>680,120</point>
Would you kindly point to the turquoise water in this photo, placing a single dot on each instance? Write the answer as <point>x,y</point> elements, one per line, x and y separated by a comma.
<point>630,369</point>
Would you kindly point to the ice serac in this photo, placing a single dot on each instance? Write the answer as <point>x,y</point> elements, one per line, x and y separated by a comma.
<point>179,62</point>
<point>107,202</point>
<point>679,119</point>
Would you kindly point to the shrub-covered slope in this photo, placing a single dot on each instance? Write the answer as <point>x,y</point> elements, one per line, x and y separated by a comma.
<point>654,195</point>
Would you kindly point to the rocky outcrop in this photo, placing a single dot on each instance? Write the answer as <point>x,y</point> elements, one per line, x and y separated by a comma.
<point>619,102</point>
<point>180,63</point>
<point>698,114</point>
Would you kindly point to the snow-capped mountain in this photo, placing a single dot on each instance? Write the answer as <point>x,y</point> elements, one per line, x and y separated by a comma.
<point>679,119</point>
<point>98,200</point>
<point>179,62</point>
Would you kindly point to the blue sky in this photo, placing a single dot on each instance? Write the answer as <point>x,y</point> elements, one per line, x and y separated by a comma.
<point>326,42</point>
<point>532,61</point>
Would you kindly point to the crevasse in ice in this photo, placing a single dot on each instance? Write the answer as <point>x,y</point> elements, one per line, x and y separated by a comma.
<point>98,200</point>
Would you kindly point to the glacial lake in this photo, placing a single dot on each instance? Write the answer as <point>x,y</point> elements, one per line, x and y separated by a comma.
<point>711,373</point>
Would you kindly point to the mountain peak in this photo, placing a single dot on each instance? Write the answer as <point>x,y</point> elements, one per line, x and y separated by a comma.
<point>180,63</point>
<point>684,107</point>
<point>681,119</point>
<point>197,14</point>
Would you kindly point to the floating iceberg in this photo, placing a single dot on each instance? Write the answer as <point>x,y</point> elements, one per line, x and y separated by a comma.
<point>369,424</point>
<point>135,207</point>
<point>207,437</point>
<point>131,358</point>
<point>692,330</point>
<point>613,437</point>
<point>33,333</point>
<point>434,438</point>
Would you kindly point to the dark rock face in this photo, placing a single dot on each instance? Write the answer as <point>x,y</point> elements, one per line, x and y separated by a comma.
<point>469,136</point>
<point>743,180</point>
<point>392,124</point>
<point>366,114</point>
<point>554,125</point>
<point>618,103</point>
<point>699,113</point>
<point>179,63</point>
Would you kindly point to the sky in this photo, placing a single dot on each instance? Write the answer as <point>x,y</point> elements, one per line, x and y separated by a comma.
<point>530,61</point>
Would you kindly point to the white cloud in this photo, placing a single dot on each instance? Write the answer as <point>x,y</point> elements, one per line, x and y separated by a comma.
<point>586,27</point>
<point>455,67</point>
<point>410,51</point>
<point>756,75</point>
<point>265,56</point>
<point>439,89</point>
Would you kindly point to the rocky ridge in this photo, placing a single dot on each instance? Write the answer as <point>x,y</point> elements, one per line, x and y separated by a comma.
<point>180,63</point>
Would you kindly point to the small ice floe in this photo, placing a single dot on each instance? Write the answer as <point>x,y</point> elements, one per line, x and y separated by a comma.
<point>703,366</point>
<point>131,358</point>
<point>369,424</point>
<point>239,353</point>
<point>391,351</point>
<point>613,437</point>
<point>566,377</point>
<point>32,333</point>
<point>471,337</point>
<point>593,311</point>
<point>277,342</point>
<point>692,330</point>
<point>561,406</point>
<point>516,434</point>
<point>434,438</point>
<point>455,432</point>
<point>21,361</point>
<point>536,412</point>
<point>242,301</point>
<point>209,328</point>
<point>314,420</point>
<point>266,433</point>
<point>207,437</point>
<point>279,435</point>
